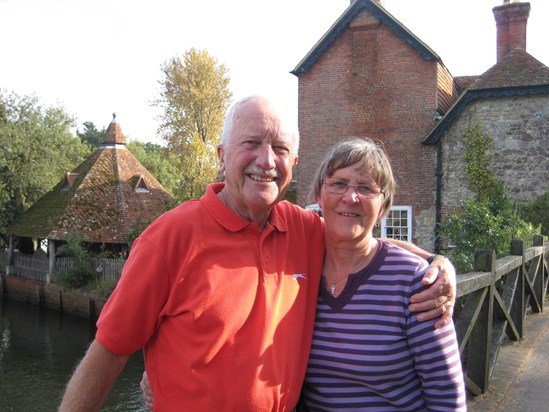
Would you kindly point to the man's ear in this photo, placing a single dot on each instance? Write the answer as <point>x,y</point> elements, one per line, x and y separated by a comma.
<point>296,161</point>
<point>221,157</point>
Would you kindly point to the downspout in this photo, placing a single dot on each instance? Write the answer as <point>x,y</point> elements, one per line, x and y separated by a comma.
<point>438,198</point>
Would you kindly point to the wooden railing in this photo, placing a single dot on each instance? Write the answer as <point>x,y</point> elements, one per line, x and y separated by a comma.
<point>499,294</point>
<point>36,267</point>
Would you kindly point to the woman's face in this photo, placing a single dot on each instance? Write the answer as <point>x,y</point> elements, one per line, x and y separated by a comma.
<point>350,215</point>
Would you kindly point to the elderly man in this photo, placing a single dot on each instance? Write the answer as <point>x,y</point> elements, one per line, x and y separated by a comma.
<point>221,291</point>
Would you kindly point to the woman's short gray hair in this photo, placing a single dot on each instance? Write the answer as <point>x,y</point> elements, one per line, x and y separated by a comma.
<point>373,163</point>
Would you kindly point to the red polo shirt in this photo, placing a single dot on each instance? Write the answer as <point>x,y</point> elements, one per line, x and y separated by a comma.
<point>225,312</point>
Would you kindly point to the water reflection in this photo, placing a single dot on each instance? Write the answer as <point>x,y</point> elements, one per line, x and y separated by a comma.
<point>39,349</point>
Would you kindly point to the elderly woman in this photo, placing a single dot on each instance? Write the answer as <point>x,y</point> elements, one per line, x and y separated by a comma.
<point>369,352</point>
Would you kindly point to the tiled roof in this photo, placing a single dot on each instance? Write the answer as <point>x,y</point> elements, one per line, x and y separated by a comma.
<point>517,74</point>
<point>516,69</point>
<point>105,197</point>
<point>464,82</point>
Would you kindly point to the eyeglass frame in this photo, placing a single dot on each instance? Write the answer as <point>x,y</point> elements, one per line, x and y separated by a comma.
<point>369,195</point>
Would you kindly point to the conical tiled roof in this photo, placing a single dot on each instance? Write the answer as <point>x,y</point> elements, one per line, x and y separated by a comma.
<point>103,199</point>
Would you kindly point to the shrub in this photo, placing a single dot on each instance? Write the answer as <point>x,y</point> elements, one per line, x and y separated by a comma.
<point>82,271</point>
<point>537,212</point>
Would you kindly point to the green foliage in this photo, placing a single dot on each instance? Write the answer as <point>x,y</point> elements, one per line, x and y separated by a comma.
<point>489,222</point>
<point>36,149</point>
<point>82,272</point>
<point>103,287</point>
<point>163,164</point>
<point>91,135</point>
<point>537,212</point>
<point>477,226</point>
<point>194,96</point>
<point>478,155</point>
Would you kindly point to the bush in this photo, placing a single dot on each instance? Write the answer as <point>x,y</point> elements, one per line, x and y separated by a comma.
<point>82,271</point>
<point>487,224</point>
<point>537,212</point>
<point>103,287</point>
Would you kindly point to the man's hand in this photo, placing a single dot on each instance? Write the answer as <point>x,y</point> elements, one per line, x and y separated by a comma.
<point>439,299</point>
<point>146,390</point>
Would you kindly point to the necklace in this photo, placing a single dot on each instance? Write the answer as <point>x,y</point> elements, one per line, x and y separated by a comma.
<point>362,263</point>
<point>333,287</point>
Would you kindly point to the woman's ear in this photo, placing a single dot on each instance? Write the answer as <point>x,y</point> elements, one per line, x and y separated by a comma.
<point>320,202</point>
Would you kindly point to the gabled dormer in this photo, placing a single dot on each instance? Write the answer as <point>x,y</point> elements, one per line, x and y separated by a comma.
<point>68,180</point>
<point>140,185</point>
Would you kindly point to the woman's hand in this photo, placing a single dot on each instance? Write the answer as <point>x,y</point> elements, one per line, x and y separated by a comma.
<point>439,299</point>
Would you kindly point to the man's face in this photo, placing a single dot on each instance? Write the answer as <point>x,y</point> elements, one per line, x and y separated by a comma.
<point>257,160</point>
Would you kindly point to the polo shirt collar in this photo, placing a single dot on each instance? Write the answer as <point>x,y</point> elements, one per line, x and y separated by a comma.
<point>230,220</point>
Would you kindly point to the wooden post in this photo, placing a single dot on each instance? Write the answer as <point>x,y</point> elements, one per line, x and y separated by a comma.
<point>10,256</point>
<point>51,256</point>
<point>540,281</point>
<point>479,353</point>
<point>518,306</point>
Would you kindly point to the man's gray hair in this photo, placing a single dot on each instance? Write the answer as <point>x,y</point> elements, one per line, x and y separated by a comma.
<point>230,117</point>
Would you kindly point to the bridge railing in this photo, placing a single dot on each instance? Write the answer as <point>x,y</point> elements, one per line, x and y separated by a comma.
<point>499,294</point>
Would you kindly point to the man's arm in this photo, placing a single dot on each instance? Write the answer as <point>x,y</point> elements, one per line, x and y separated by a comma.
<point>92,380</point>
<point>440,297</point>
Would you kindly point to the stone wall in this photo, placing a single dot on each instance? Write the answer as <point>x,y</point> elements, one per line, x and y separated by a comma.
<point>72,302</point>
<point>519,127</point>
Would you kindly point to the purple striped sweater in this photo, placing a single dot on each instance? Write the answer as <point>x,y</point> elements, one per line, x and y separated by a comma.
<point>369,353</point>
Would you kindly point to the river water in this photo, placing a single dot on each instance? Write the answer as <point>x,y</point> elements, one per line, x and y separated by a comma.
<point>39,349</point>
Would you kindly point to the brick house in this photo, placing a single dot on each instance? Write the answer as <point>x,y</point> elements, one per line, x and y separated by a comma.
<point>369,76</point>
<point>106,197</point>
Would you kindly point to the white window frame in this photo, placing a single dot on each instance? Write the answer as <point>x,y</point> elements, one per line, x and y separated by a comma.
<point>407,209</point>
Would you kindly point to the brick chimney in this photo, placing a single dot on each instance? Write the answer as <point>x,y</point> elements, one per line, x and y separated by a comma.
<point>511,19</point>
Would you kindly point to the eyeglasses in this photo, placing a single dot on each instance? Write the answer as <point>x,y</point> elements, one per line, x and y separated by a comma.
<point>338,187</point>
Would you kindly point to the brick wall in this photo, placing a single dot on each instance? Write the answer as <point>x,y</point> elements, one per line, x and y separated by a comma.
<point>370,83</point>
<point>72,302</point>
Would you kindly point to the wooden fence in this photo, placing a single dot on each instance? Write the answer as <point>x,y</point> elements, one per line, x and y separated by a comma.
<point>499,294</point>
<point>36,267</point>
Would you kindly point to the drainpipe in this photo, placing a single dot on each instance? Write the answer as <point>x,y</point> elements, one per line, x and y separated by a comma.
<point>438,198</point>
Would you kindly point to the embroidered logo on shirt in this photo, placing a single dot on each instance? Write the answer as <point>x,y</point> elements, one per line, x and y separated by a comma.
<point>299,275</point>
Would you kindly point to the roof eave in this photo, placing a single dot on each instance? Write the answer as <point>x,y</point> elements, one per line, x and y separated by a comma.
<point>471,95</point>
<point>343,22</point>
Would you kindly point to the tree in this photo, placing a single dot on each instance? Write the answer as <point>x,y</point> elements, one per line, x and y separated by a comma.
<point>36,149</point>
<point>194,96</point>
<point>91,135</point>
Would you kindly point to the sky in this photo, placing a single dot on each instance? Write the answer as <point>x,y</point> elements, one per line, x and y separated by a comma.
<point>98,57</point>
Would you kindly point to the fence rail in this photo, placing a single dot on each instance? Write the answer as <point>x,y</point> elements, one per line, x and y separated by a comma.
<point>36,267</point>
<point>499,294</point>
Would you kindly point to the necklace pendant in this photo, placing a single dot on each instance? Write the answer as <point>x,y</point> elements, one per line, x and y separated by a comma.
<point>333,288</point>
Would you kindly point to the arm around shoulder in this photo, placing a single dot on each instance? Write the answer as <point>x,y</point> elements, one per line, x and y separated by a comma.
<point>93,379</point>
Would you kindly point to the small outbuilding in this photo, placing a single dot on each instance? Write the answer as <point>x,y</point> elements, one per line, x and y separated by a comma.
<point>106,198</point>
